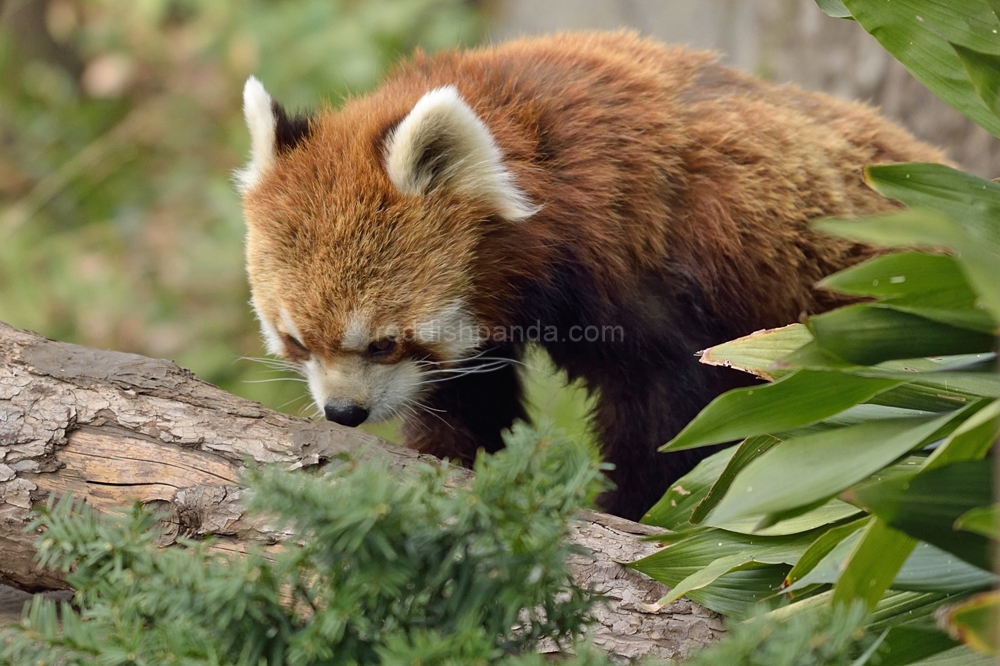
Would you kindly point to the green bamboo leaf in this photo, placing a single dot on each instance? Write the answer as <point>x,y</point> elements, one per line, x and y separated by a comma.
<point>756,353</point>
<point>931,569</point>
<point>873,565</point>
<point>919,34</point>
<point>983,70</point>
<point>834,8</point>
<point>811,356</point>
<point>673,510</point>
<point>931,384</point>
<point>740,594</point>
<point>944,380</point>
<point>869,334</point>
<point>735,593</point>
<point>915,607</point>
<point>800,399</point>
<point>765,553</point>
<point>983,520</point>
<point>957,656</point>
<point>903,274</point>
<point>822,547</point>
<point>705,577</point>
<point>971,441</point>
<point>931,396</point>
<point>823,514</point>
<point>970,202</point>
<point>978,249</point>
<point>909,643</point>
<point>749,450</point>
<point>974,622</point>
<point>801,471</point>
<point>927,505</point>
<point>929,285</point>
<point>972,205</point>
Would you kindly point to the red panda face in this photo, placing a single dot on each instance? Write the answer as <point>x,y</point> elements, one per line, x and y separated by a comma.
<point>360,242</point>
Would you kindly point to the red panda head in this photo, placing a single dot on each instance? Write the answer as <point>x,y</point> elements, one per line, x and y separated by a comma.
<point>363,227</point>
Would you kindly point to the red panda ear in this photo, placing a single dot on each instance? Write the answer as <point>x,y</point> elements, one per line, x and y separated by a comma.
<point>272,131</point>
<point>443,144</point>
<point>258,112</point>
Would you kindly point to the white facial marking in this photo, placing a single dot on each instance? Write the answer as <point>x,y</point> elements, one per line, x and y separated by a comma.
<point>469,159</point>
<point>272,339</point>
<point>289,325</point>
<point>452,331</point>
<point>261,122</point>
<point>357,335</point>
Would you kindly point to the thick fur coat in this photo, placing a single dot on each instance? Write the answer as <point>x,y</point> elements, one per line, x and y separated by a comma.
<point>591,185</point>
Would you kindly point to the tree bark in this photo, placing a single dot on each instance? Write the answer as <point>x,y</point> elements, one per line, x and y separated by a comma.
<point>115,428</point>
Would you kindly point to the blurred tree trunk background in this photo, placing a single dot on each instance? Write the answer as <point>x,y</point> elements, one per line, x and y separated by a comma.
<point>782,40</point>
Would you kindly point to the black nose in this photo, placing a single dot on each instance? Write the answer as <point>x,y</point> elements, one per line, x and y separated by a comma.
<point>346,414</point>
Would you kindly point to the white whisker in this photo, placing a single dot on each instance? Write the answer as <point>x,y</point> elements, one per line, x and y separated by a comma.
<point>274,379</point>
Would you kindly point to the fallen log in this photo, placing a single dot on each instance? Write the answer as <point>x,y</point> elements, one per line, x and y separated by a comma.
<point>115,428</point>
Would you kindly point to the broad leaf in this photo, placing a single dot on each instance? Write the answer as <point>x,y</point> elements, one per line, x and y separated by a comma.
<point>673,511</point>
<point>971,202</point>
<point>799,399</point>
<point>929,285</point>
<point>822,547</point>
<point>926,569</point>
<point>979,253</point>
<point>957,656</point>
<point>983,520</point>
<point>870,334</point>
<point>919,34</point>
<point>931,569</point>
<point>984,72</point>
<point>766,553</point>
<point>824,513</point>
<point>708,575</point>
<point>971,440</point>
<point>801,471</point>
<point>749,450</point>
<point>905,644</point>
<point>757,352</point>
<point>910,607</point>
<point>974,622</point>
<point>834,8</point>
<point>927,505</point>
<point>737,592</point>
<point>972,205</point>
<point>873,564</point>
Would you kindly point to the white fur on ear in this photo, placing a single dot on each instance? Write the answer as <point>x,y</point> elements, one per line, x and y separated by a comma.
<point>261,122</point>
<point>443,141</point>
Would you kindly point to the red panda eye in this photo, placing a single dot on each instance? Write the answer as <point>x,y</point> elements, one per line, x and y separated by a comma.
<point>382,346</point>
<point>297,346</point>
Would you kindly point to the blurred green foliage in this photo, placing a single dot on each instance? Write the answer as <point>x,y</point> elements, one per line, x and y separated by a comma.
<point>120,125</point>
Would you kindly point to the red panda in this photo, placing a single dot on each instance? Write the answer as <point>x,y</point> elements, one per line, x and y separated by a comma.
<point>628,203</point>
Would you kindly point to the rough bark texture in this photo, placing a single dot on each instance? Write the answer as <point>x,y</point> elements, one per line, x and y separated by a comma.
<point>115,428</point>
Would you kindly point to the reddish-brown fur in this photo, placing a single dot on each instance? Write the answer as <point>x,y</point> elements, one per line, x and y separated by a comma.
<point>675,198</point>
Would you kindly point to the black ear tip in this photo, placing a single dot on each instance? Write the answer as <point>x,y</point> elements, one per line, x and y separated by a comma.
<point>289,130</point>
